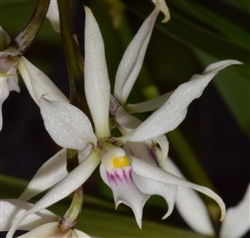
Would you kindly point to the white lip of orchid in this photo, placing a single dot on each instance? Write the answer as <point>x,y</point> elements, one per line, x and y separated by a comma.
<point>113,157</point>
<point>164,9</point>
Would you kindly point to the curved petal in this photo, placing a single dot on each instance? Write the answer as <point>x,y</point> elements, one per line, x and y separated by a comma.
<point>51,172</point>
<point>164,148</point>
<point>4,93</point>
<point>149,105</point>
<point>125,122</point>
<point>151,187</point>
<point>10,209</point>
<point>62,189</point>
<point>81,234</point>
<point>53,15</point>
<point>4,39</point>
<point>163,9</point>
<point>68,126</point>
<point>38,83</point>
<point>149,171</point>
<point>173,112</point>
<point>46,231</point>
<point>13,81</point>
<point>124,190</point>
<point>190,205</point>
<point>83,154</point>
<point>97,86</point>
<point>237,222</point>
<point>133,57</point>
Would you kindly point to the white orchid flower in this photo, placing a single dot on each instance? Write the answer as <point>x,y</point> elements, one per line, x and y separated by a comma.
<point>70,128</point>
<point>8,76</point>
<point>43,223</point>
<point>36,81</point>
<point>53,15</point>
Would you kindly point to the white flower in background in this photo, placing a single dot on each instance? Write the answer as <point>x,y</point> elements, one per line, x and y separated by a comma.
<point>8,77</point>
<point>237,220</point>
<point>129,177</point>
<point>53,15</point>
<point>41,224</point>
<point>36,81</point>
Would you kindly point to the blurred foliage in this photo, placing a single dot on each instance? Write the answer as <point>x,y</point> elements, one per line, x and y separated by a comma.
<point>199,33</point>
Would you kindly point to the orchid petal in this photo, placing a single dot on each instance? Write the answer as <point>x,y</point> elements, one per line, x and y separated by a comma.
<point>4,39</point>
<point>148,186</point>
<point>173,112</point>
<point>97,86</point>
<point>38,83</point>
<point>4,93</point>
<point>133,57</point>
<point>46,231</point>
<point>81,234</point>
<point>53,15</point>
<point>83,154</point>
<point>164,145</point>
<point>124,190</point>
<point>68,126</point>
<point>164,9</point>
<point>151,187</point>
<point>10,209</point>
<point>51,172</point>
<point>237,222</point>
<point>152,172</point>
<point>190,205</point>
<point>62,189</point>
<point>13,81</point>
<point>125,122</point>
<point>149,105</point>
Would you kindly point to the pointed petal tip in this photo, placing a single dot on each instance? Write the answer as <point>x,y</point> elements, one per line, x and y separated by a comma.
<point>164,9</point>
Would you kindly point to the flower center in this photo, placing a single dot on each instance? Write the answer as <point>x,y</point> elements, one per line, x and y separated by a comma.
<point>120,162</point>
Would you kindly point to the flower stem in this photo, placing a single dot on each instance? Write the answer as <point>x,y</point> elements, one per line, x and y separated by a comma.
<point>71,216</point>
<point>25,38</point>
<point>73,57</point>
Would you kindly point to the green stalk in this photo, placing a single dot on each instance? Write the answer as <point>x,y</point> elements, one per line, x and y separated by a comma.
<point>71,216</point>
<point>25,38</point>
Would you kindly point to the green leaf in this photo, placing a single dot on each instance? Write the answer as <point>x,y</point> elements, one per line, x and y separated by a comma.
<point>245,4</point>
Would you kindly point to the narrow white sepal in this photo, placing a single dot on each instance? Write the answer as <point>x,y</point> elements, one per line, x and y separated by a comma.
<point>51,172</point>
<point>190,205</point>
<point>53,15</point>
<point>38,83</point>
<point>62,189</point>
<point>81,234</point>
<point>11,209</point>
<point>149,105</point>
<point>149,171</point>
<point>164,9</point>
<point>237,220</point>
<point>68,126</point>
<point>173,112</point>
<point>132,59</point>
<point>97,86</point>
<point>4,38</point>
